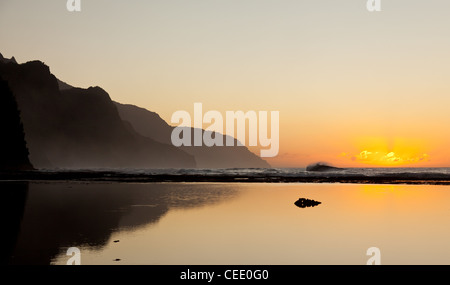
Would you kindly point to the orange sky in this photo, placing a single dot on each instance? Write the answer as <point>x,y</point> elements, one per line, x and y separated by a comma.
<point>353,88</point>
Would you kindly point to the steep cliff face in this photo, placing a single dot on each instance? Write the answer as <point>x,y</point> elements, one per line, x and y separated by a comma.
<point>13,149</point>
<point>73,128</point>
<point>151,125</point>
<point>80,128</point>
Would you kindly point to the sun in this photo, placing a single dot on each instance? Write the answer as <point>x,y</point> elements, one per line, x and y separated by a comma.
<point>389,152</point>
<point>389,158</point>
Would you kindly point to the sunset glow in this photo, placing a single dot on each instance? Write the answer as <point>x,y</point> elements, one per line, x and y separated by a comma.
<point>333,81</point>
<point>228,138</point>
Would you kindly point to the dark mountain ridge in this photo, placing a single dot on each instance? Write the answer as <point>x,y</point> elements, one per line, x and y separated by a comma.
<point>150,124</point>
<point>13,149</point>
<point>76,128</point>
<point>80,128</point>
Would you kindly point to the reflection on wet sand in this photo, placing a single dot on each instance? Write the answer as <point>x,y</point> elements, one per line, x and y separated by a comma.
<point>224,223</point>
<point>60,215</point>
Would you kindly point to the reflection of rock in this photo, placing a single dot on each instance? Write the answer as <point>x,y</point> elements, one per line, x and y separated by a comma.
<point>303,203</point>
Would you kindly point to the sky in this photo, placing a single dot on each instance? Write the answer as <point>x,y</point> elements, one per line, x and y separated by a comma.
<point>353,88</point>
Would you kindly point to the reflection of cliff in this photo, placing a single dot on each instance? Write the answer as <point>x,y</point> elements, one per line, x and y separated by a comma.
<point>62,215</point>
<point>14,195</point>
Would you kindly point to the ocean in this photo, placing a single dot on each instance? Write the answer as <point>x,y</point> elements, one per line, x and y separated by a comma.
<point>287,175</point>
<point>298,172</point>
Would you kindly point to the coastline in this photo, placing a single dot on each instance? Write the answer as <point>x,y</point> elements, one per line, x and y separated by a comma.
<point>319,177</point>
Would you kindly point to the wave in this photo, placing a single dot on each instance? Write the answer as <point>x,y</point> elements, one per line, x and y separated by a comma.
<point>321,166</point>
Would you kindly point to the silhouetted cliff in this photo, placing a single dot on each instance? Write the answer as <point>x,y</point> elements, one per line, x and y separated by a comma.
<point>80,128</point>
<point>150,124</point>
<point>13,149</point>
<point>73,128</point>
